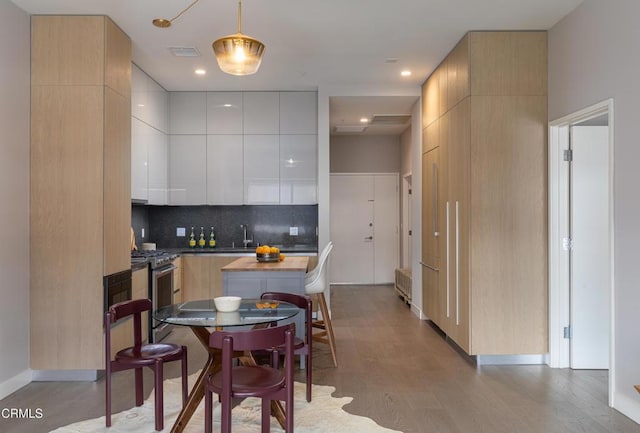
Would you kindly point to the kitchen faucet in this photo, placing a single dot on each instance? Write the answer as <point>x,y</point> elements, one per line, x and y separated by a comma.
<point>245,241</point>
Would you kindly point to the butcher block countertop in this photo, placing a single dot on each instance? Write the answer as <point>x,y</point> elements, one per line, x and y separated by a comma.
<point>291,264</point>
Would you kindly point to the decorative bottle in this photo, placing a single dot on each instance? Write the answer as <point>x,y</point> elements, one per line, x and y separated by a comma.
<point>201,241</point>
<point>212,239</point>
<point>192,239</point>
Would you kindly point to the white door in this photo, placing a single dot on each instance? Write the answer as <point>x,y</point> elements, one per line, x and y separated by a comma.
<point>385,228</point>
<point>590,255</point>
<point>351,229</point>
<point>364,228</point>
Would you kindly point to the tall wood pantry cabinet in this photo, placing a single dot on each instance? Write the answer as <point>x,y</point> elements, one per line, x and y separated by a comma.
<point>80,183</point>
<point>484,229</point>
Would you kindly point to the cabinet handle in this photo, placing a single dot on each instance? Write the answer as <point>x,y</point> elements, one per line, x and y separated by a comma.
<point>457,263</point>
<point>429,266</point>
<point>434,199</point>
<point>447,258</point>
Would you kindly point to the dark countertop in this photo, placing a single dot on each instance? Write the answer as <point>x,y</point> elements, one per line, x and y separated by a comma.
<point>291,249</point>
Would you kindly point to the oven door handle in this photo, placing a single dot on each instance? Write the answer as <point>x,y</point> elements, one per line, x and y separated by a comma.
<point>162,271</point>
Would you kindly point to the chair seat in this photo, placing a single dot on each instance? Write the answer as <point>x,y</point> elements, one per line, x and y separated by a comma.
<point>251,380</point>
<point>149,353</point>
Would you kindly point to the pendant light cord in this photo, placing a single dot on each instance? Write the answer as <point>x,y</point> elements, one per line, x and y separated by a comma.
<point>239,16</point>
<point>183,11</point>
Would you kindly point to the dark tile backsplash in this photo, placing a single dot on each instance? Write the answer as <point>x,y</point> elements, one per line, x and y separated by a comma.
<point>266,224</point>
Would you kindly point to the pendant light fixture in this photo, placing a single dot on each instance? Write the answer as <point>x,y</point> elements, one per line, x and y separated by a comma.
<point>238,54</point>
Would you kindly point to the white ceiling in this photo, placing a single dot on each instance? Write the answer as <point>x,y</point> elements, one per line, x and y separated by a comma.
<point>310,44</point>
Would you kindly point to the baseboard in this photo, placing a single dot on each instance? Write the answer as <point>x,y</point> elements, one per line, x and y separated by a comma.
<point>65,375</point>
<point>13,384</point>
<point>418,312</point>
<point>512,359</point>
<point>627,406</point>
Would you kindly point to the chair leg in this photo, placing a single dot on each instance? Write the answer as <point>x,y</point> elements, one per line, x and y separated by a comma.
<point>208,410</point>
<point>108,396</point>
<point>309,379</point>
<point>326,325</point>
<point>266,415</point>
<point>225,412</point>
<point>139,386</point>
<point>159,404</point>
<point>185,384</point>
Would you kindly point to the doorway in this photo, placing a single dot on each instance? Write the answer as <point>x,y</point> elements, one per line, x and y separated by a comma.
<point>581,278</point>
<point>364,228</point>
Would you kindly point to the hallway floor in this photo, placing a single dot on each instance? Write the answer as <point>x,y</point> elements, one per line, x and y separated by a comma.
<point>400,371</point>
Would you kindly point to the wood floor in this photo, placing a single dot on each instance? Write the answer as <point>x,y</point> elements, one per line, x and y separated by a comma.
<point>400,372</point>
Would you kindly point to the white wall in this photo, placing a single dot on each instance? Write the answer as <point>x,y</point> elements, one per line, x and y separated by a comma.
<point>14,196</point>
<point>405,151</point>
<point>365,154</point>
<point>593,56</point>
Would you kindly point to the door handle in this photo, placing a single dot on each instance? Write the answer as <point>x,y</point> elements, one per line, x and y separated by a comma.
<point>368,238</point>
<point>434,200</point>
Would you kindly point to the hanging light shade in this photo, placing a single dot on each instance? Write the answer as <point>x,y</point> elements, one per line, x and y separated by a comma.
<point>238,54</point>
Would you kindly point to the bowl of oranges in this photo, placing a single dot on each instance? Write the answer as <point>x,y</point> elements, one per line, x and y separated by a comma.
<point>265,253</point>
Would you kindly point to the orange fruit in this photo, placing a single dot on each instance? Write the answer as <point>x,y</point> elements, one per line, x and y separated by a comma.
<point>281,257</point>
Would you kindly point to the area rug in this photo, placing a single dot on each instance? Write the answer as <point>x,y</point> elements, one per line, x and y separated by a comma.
<point>323,415</point>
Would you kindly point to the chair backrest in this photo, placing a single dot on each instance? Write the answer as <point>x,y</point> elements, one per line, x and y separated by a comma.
<point>301,301</point>
<point>254,339</point>
<point>317,283</point>
<point>324,255</point>
<point>123,309</point>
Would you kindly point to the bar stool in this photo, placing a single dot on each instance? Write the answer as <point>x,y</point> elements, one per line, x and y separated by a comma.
<point>315,284</point>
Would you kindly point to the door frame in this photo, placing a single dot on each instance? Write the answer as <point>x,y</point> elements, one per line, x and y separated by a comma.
<point>406,223</point>
<point>559,282</point>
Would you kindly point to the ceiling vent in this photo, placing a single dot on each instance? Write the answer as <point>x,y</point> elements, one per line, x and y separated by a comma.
<point>349,128</point>
<point>390,119</point>
<point>184,51</point>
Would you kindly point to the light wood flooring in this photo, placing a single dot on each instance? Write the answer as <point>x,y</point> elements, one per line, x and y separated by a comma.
<point>400,371</point>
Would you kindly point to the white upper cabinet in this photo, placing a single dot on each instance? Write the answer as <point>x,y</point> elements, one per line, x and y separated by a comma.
<point>224,113</point>
<point>298,169</point>
<point>187,113</point>
<point>261,169</point>
<point>261,113</point>
<point>298,113</point>
<point>158,100</point>
<point>139,151</point>
<point>187,170</point>
<point>139,94</point>
<point>224,169</point>
<point>157,167</point>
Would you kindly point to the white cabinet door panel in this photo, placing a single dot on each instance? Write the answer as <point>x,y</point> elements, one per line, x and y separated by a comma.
<point>224,170</point>
<point>139,170</point>
<point>261,169</point>
<point>224,113</point>
<point>157,158</point>
<point>139,94</point>
<point>261,113</point>
<point>298,169</point>
<point>298,113</point>
<point>158,100</point>
<point>187,169</point>
<point>187,113</point>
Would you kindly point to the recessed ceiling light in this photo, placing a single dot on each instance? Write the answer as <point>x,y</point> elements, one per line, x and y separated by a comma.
<point>405,73</point>
<point>140,105</point>
<point>364,120</point>
<point>227,105</point>
<point>200,72</point>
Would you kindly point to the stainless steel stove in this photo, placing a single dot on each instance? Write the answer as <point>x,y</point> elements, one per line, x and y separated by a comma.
<point>160,286</point>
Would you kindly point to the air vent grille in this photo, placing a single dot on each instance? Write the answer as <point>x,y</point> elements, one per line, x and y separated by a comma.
<point>184,51</point>
<point>390,119</point>
<point>349,128</point>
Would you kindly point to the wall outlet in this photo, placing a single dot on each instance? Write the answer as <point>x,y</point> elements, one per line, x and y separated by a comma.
<point>181,232</point>
<point>293,231</point>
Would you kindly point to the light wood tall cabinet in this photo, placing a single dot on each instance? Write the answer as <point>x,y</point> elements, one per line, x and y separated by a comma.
<point>484,194</point>
<point>80,183</point>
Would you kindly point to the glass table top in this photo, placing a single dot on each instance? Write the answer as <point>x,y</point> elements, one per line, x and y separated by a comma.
<point>203,313</point>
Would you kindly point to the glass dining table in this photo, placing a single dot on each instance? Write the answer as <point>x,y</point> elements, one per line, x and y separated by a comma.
<point>203,319</point>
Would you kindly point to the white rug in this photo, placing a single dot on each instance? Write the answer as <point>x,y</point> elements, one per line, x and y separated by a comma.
<point>323,415</point>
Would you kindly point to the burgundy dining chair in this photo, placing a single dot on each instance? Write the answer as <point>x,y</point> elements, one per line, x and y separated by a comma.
<point>263,381</point>
<point>140,355</point>
<point>300,347</point>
